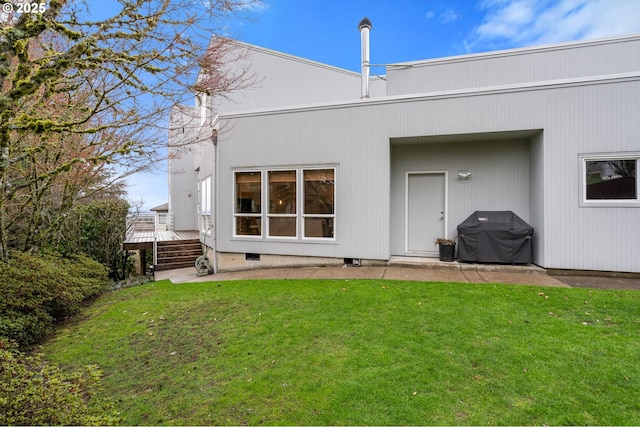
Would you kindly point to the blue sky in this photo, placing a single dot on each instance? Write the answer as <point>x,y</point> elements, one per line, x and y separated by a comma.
<point>405,30</point>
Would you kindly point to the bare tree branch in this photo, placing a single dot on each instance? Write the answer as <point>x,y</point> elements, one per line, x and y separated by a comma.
<point>85,94</point>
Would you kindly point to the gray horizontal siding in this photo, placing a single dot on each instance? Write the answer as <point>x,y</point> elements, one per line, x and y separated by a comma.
<point>559,62</point>
<point>306,140</point>
<point>356,137</point>
<point>182,178</point>
<point>270,85</point>
<point>499,179</point>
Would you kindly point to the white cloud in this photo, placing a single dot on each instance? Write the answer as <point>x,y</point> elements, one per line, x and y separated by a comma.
<point>514,23</point>
<point>448,15</point>
<point>507,20</point>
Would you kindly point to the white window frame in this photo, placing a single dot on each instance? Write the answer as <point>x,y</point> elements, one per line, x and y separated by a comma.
<point>264,214</point>
<point>270,215</point>
<point>596,157</point>
<point>258,215</point>
<point>304,215</point>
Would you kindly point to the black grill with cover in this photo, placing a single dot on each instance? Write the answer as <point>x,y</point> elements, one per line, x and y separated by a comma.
<point>495,236</point>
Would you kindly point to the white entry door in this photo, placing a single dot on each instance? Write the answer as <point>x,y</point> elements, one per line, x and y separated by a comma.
<point>426,215</point>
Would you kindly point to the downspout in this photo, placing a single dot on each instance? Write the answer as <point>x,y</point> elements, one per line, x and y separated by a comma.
<point>214,208</point>
<point>364,27</point>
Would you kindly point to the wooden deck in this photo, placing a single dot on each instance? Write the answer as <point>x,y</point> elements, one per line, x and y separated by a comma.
<point>144,239</point>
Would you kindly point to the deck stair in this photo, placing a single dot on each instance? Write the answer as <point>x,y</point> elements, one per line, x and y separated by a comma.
<point>177,254</point>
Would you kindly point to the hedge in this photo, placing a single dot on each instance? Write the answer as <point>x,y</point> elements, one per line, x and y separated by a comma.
<point>40,289</point>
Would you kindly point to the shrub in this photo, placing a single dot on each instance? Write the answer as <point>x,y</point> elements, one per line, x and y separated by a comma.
<point>38,290</point>
<point>33,392</point>
<point>98,230</point>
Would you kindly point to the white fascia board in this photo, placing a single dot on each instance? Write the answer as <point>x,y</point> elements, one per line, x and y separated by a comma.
<point>215,121</point>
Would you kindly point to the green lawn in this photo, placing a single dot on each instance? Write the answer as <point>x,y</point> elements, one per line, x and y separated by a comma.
<point>362,352</point>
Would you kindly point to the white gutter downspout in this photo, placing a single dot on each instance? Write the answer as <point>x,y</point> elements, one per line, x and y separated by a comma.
<point>364,27</point>
<point>214,232</point>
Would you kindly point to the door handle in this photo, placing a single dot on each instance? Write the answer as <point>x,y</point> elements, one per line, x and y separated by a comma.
<point>441,215</point>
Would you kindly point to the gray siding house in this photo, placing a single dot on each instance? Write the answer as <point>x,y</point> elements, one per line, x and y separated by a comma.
<point>314,165</point>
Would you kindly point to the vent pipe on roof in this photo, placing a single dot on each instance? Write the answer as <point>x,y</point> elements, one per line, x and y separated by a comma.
<point>364,27</point>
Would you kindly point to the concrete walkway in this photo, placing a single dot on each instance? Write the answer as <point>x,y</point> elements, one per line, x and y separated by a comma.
<point>399,269</point>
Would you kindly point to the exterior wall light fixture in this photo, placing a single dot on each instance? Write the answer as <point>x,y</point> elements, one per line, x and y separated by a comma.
<point>464,175</point>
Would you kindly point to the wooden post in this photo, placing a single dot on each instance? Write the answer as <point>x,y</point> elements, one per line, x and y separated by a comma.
<point>143,261</point>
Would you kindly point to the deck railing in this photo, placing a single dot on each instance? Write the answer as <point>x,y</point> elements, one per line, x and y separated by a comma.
<point>142,223</point>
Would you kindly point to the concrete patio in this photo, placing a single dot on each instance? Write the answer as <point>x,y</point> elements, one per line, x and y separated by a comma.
<point>399,268</point>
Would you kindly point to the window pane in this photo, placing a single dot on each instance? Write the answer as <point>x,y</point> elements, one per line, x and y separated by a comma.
<point>248,191</point>
<point>318,227</point>
<point>248,226</point>
<point>319,191</point>
<point>611,179</point>
<point>282,226</point>
<point>205,189</point>
<point>282,192</point>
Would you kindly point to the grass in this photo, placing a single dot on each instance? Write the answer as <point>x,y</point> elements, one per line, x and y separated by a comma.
<point>310,352</point>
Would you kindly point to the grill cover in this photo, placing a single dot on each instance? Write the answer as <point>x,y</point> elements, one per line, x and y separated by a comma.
<point>495,236</point>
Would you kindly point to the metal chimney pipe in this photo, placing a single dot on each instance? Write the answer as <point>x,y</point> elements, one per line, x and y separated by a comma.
<point>364,27</point>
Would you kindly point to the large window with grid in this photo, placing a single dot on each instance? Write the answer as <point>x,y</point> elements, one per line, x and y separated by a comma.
<point>300,203</point>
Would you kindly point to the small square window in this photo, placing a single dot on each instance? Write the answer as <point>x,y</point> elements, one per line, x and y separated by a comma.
<point>609,180</point>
